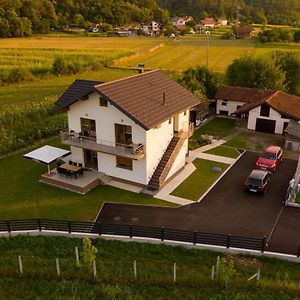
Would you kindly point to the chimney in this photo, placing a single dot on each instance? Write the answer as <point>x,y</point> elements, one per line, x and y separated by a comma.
<point>141,68</point>
<point>164,99</point>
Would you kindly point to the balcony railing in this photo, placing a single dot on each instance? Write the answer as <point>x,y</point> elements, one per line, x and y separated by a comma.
<point>187,132</point>
<point>133,151</point>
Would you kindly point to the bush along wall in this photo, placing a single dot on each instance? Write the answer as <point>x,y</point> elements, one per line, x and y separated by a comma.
<point>23,124</point>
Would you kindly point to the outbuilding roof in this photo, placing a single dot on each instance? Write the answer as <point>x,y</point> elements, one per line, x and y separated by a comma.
<point>241,94</point>
<point>293,129</point>
<point>149,98</point>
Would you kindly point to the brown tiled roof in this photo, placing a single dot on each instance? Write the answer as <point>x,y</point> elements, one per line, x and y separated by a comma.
<point>242,94</point>
<point>244,30</point>
<point>149,98</point>
<point>78,89</point>
<point>286,104</point>
<point>293,129</point>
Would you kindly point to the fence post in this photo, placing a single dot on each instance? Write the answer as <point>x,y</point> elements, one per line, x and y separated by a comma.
<point>57,267</point>
<point>77,256</point>
<point>69,227</point>
<point>8,226</point>
<point>20,264</point>
<point>39,224</point>
<point>174,272</point>
<point>228,241</point>
<point>134,269</point>
<point>263,244</point>
<point>162,234</point>
<point>130,231</point>
<point>100,228</point>
<point>94,269</point>
<point>195,237</point>
<point>213,272</point>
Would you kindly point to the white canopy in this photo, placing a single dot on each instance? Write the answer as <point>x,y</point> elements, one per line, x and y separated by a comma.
<point>47,154</point>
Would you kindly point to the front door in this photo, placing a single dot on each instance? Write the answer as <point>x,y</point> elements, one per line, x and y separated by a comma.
<point>90,159</point>
<point>176,123</point>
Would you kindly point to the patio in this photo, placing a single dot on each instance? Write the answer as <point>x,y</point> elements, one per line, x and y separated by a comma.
<point>81,184</point>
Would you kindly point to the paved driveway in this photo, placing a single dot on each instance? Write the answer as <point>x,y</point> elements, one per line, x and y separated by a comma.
<point>226,209</point>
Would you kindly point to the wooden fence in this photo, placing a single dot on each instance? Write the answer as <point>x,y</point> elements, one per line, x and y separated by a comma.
<point>193,237</point>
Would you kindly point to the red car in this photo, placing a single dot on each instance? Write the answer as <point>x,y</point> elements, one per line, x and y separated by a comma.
<point>270,159</point>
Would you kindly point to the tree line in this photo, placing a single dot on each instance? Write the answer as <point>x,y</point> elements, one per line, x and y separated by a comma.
<point>23,17</point>
<point>284,12</point>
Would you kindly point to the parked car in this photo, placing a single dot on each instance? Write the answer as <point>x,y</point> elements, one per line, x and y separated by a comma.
<point>257,181</point>
<point>270,159</point>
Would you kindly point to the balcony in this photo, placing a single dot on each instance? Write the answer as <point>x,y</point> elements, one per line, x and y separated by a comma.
<point>186,132</point>
<point>132,151</point>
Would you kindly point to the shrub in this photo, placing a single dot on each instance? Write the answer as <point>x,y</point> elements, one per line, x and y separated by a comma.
<point>89,253</point>
<point>18,75</point>
<point>63,67</point>
<point>226,271</point>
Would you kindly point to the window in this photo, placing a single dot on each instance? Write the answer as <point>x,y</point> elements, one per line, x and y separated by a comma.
<point>238,106</point>
<point>170,121</point>
<point>224,103</point>
<point>265,110</point>
<point>184,113</point>
<point>124,163</point>
<point>102,101</point>
<point>123,134</point>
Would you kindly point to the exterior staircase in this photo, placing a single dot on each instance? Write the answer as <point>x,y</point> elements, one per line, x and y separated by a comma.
<point>158,178</point>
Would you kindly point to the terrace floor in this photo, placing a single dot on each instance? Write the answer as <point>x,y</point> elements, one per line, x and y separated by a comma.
<point>82,184</point>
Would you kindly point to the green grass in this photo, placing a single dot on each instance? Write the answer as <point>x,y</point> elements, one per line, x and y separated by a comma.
<point>218,127</point>
<point>298,197</point>
<point>279,279</point>
<point>254,141</point>
<point>23,196</point>
<point>224,151</point>
<point>200,180</point>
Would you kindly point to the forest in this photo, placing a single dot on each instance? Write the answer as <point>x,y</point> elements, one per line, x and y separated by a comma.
<point>27,17</point>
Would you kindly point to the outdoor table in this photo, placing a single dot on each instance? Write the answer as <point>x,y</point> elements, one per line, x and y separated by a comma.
<point>71,168</point>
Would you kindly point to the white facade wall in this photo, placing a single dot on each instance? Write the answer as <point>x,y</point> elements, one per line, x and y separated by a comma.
<point>274,115</point>
<point>179,161</point>
<point>156,140</point>
<point>231,106</point>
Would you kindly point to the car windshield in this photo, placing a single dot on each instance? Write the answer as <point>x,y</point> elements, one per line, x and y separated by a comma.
<point>269,155</point>
<point>255,181</point>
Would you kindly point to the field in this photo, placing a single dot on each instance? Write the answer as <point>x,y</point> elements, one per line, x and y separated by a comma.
<point>115,278</point>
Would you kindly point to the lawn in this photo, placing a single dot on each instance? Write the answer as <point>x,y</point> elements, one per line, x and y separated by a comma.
<point>115,279</point>
<point>224,151</point>
<point>23,196</point>
<point>217,127</point>
<point>298,197</point>
<point>254,141</point>
<point>200,180</point>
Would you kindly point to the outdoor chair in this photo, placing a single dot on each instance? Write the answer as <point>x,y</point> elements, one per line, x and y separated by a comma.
<point>80,165</point>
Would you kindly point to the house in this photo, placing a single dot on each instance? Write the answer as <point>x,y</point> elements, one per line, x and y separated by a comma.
<point>181,20</point>
<point>244,32</point>
<point>152,28</point>
<point>292,136</point>
<point>134,129</point>
<point>265,110</point>
<point>208,23</point>
<point>222,22</point>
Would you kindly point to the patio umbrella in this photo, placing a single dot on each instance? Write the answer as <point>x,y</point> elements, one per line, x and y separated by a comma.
<point>47,155</point>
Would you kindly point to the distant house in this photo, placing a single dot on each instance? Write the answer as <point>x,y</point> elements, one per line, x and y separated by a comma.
<point>265,110</point>
<point>222,22</point>
<point>152,28</point>
<point>134,129</point>
<point>292,136</point>
<point>244,32</point>
<point>181,20</point>
<point>208,23</point>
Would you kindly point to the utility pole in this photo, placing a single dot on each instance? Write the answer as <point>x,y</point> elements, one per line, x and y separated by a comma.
<point>207,47</point>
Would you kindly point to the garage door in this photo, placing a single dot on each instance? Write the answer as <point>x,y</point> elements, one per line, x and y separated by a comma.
<point>265,125</point>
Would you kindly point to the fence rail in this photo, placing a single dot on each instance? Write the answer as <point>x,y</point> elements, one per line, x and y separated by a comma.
<point>193,237</point>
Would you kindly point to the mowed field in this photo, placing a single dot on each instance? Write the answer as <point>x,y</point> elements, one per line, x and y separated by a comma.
<point>37,54</point>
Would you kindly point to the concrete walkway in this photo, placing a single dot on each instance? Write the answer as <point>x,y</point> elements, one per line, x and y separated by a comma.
<point>217,158</point>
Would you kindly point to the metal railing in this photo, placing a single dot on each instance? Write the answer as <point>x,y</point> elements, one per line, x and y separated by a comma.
<point>76,139</point>
<point>130,231</point>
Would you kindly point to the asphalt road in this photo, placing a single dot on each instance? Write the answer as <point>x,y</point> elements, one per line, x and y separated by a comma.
<point>227,209</point>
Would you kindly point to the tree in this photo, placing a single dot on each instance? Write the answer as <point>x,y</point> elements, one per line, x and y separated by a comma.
<point>260,72</point>
<point>201,79</point>
<point>89,253</point>
<point>289,63</point>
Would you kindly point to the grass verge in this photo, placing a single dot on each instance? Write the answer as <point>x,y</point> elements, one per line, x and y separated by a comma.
<point>217,127</point>
<point>115,280</point>
<point>224,151</point>
<point>200,180</point>
<point>23,196</point>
